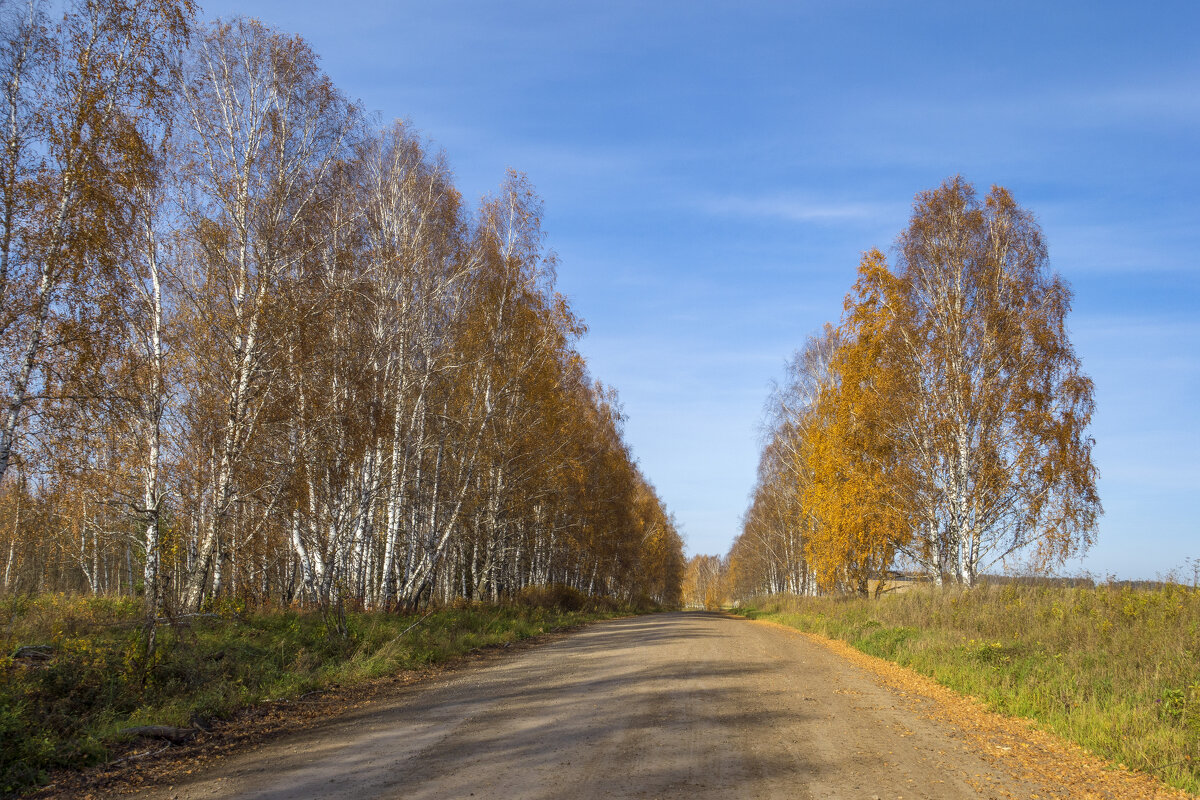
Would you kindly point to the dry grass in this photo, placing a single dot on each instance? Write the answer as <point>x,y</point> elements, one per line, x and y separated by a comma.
<point>1114,668</point>
<point>66,709</point>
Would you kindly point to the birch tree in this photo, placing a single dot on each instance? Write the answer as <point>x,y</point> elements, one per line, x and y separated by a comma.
<point>944,421</point>
<point>264,127</point>
<point>77,96</point>
<point>275,355</point>
<point>144,381</point>
<point>998,418</point>
<point>858,518</point>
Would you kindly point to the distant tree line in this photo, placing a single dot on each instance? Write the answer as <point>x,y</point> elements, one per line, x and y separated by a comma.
<point>704,582</point>
<point>942,426</point>
<point>254,346</point>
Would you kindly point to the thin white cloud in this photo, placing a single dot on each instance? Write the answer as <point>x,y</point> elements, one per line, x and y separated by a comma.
<point>793,209</point>
<point>1159,100</point>
<point>1161,467</point>
<point>1136,330</point>
<point>574,161</point>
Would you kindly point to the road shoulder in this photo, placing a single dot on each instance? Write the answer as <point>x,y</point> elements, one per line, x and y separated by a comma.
<point>1015,745</point>
<point>144,765</point>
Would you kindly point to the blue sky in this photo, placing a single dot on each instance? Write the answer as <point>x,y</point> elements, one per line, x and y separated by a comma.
<point>713,170</point>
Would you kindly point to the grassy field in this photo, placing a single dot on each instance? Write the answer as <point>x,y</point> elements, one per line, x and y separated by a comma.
<point>1115,669</point>
<point>66,702</point>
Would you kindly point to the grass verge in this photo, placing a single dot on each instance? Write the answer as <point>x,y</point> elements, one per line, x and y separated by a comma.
<point>65,703</point>
<point>1114,669</point>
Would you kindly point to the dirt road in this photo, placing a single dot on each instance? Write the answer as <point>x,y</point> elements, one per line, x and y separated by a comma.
<point>687,705</point>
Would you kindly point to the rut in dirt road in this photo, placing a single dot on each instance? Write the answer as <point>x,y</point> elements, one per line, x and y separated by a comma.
<point>688,705</point>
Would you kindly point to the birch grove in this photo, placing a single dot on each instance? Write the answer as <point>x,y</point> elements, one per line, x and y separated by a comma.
<point>275,357</point>
<point>942,427</point>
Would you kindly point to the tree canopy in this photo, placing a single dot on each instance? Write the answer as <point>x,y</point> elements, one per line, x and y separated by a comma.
<point>258,347</point>
<point>943,425</point>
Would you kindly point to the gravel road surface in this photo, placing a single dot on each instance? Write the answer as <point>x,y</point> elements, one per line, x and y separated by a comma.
<point>689,705</point>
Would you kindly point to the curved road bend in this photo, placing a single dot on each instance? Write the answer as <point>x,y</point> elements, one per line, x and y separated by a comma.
<point>684,705</point>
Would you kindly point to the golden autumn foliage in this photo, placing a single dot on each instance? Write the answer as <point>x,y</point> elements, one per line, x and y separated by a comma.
<point>943,425</point>
<point>857,519</point>
<point>256,348</point>
<point>705,582</point>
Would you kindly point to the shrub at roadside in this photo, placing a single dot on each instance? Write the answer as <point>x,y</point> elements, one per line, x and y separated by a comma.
<point>1113,668</point>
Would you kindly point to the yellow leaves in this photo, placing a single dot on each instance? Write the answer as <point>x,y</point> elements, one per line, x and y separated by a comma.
<point>848,493</point>
<point>946,416</point>
<point>705,582</point>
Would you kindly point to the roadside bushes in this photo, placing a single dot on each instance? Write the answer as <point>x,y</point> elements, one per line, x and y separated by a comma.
<point>554,595</point>
<point>567,599</point>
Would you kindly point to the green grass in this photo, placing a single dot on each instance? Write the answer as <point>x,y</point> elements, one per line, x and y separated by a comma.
<point>68,711</point>
<point>1115,669</point>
